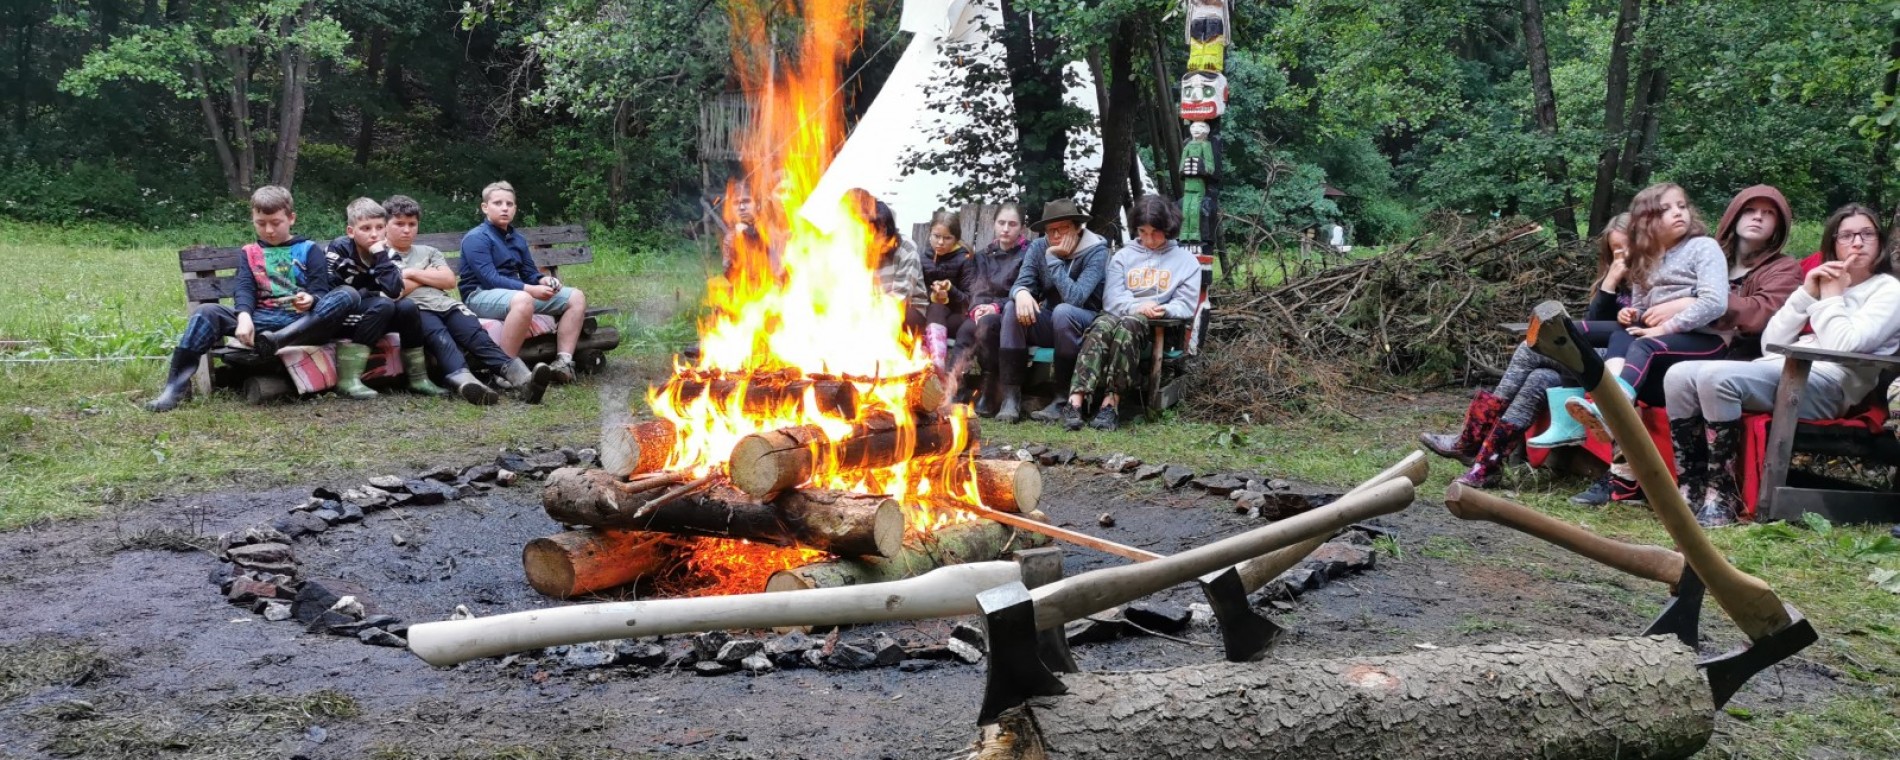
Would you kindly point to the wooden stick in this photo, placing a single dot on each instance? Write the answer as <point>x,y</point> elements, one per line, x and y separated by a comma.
<point>1652,562</point>
<point>944,592</point>
<point>1062,534</point>
<point>672,496</point>
<point>975,541</point>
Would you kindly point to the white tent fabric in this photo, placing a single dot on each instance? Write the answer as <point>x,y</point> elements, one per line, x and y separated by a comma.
<point>904,116</point>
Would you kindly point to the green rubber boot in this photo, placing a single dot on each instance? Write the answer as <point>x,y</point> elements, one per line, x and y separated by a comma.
<point>416,364</point>
<point>350,361</point>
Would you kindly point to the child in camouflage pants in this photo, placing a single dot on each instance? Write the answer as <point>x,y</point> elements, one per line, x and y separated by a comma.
<point>1149,278</point>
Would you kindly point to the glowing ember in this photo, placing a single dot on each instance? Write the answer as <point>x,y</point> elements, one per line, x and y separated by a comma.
<point>775,338</point>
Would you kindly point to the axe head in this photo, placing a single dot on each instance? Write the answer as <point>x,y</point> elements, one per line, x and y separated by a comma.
<point>1729,672</point>
<point>1244,633</point>
<point>1556,337</point>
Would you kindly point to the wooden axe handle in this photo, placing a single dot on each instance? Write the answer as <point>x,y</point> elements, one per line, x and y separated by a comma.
<point>1748,600</point>
<point>1652,562</point>
<point>1256,572</point>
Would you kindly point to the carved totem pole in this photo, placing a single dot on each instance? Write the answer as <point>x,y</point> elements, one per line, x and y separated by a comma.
<point>1203,102</point>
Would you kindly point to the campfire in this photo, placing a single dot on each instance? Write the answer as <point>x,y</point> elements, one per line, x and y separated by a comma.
<point>811,425</point>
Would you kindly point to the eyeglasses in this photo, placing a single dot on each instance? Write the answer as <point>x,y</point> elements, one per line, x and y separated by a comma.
<point>1849,237</point>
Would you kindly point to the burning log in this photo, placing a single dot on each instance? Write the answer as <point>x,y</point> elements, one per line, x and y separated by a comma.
<point>838,523</point>
<point>767,463</point>
<point>1008,485</point>
<point>768,391</point>
<point>1619,697</point>
<point>976,541</point>
<point>631,449</point>
<point>578,562</point>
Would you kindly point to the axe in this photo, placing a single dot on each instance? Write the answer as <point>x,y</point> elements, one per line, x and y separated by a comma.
<point>1680,618</point>
<point>1775,629</point>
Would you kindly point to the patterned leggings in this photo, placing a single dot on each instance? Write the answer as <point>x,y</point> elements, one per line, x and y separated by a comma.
<point>1110,352</point>
<point>1526,381</point>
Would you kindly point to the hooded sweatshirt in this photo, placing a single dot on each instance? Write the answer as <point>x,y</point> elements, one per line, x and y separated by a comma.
<point>1760,291</point>
<point>1864,320</point>
<point>1076,281</point>
<point>1170,276</point>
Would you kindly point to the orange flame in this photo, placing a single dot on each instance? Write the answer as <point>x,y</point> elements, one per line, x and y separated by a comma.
<point>801,301</point>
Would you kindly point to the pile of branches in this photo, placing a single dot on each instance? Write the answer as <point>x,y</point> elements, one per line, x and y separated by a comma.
<point>1422,314</point>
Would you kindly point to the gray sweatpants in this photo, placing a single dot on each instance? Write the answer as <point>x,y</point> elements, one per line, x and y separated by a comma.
<point>1719,391</point>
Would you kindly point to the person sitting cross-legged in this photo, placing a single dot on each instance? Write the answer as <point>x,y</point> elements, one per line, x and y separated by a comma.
<point>1149,278</point>
<point>1055,299</point>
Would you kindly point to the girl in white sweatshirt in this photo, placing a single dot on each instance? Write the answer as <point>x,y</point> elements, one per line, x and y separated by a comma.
<point>1851,301</point>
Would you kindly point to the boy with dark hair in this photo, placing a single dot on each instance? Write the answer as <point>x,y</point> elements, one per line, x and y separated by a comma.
<point>448,326</point>
<point>362,261</point>
<point>500,281</point>
<point>283,288</point>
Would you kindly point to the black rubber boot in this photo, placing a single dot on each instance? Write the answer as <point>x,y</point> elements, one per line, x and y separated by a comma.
<point>1690,438</point>
<point>1014,364</point>
<point>267,343</point>
<point>986,398</point>
<point>177,382</point>
<point>1723,504</point>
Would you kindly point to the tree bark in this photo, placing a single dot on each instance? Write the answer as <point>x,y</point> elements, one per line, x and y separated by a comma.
<point>245,148</point>
<point>1615,99</point>
<point>844,524</point>
<point>1882,164</point>
<point>1008,485</point>
<point>632,449</point>
<point>976,541</point>
<point>1644,116</point>
<point>566,565</point>
<point>295,63</point>
<point>1556,169</point>
<point>767,463</point>
<point>1163,125</point>
<point>1627,698</point>
<point>1118,133</point>
<point>374,65</point>
<point>1036,88</point>
<point>222,146</point>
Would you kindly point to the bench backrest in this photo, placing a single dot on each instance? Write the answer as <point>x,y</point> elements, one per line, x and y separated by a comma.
<point>211,273</point>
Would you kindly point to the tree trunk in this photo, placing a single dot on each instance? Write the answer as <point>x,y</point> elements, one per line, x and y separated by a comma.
<point>1036,88</point>
<point>1163,125</point>
<point>1556,169</point>
<point>23,68</point>
<point>631,449</point>
<point>566,565</point>
<point>831,521</point>
<point>1883,141</point>
<point>976,541</point>
<point>767,463</point>
<point>1644,115</point>
<point>1118,133</point>
<point>1008,485</point>
<point>233,183</point>
<point>1616,97</point>
<point>1627,698</point>
<point>376,64</point>
<point>295,63</point>
<point>246,148</point>
<point>1642,159</point>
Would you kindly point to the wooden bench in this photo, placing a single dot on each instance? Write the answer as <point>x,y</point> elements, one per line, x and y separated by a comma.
<point>1838,501</point>
<point>210,275</point>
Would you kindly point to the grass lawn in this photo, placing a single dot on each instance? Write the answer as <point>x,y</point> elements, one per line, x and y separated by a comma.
<point>74,444</point>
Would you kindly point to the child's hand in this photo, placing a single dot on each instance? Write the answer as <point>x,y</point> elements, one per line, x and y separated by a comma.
<point>554,285</point>
<point>539,292</point>
<point>246,331</point>
<point>302,302</point>
<point>1627,316</point>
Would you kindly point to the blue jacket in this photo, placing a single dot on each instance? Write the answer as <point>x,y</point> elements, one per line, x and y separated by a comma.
<point>495,260</point>
<point>1076,282</point>
<point>312,275</point>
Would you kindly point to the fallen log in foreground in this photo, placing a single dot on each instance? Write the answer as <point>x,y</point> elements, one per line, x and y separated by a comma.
<point>1626,698</point>
<point>975,541</point>
<point>941,593</point>
<point>850,525</point>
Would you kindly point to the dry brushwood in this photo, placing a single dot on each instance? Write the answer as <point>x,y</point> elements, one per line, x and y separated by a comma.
<point>1423,312</point>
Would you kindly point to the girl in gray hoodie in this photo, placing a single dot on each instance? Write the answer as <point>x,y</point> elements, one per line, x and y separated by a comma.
<point>1149,278</point>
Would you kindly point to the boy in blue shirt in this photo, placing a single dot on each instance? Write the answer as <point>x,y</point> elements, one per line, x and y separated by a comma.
<point>284,298</point>
<point>500,281</point>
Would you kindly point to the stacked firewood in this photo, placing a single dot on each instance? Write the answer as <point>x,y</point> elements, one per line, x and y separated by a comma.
<point>631,518</point>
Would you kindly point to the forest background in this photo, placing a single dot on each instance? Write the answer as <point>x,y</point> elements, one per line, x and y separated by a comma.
<point>162,113</point>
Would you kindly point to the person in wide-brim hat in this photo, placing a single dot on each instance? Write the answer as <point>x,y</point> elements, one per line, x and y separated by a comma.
<point>1060,210</point>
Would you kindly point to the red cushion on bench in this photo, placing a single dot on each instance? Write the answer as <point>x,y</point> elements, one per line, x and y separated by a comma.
<point>1870,416</point>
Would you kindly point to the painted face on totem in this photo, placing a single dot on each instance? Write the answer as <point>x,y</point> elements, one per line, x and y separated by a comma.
<point>1203,96</point>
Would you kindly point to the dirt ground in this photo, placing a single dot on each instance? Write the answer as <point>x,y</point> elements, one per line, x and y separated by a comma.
<point>172,664</point>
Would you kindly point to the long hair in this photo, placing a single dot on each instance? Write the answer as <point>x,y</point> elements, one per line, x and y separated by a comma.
<point>1606,256</point>
<point>951,221</point>
<point>1648,239</point>
<point>1883,263</point>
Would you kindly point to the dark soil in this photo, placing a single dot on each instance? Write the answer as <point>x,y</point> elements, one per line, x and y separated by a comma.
<point>174,649</point>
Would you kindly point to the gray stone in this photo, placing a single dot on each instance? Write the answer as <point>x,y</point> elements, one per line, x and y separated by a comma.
<point>1257,486</point>
<point>593,654</point>
<point>1339,559</point>
<point>1176,476</point>
<point>788,651</point>
<point>758,663</point>
<point>510,459</point>
<point>1064,456</point>
<point>1277,484</point>
<point>333,623</point>
<point>348,605</point>
<point>1240,493</point>
<point>814,658</point>
<point>387,482</point>
<point>542,464</point>
<point>971,635</point>
<point>261,556</point>
<point>1036,451</point>
<point>1158,617</point>
<point>277,611</point>
<point>506,477</point>
<point>425,493</point>
<point>587,457</point>
<point>328,516</point>
<point>443,474</point>
<point>850,657</point>
<point>736,651</point>
<point>708,644</point>
<point>313,599</point>
<point>1149,471</point>
<point>245,590</point>
<point>917,666</point>
<point>964,651</point>
<point>370,498</point>
<point>481,473</point>
<point>713,668</point>
<point>1094,630</point>
<point>381,638</point>
<point>643,653</point>
<point>1304,579</point>
<point>1120,463</point>
<point>349,513</point>
<point>1219,485</point>
<point>887,651</point>
<point>1023,455</point>
<point>299,524</point>
<point>1106,520</point>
